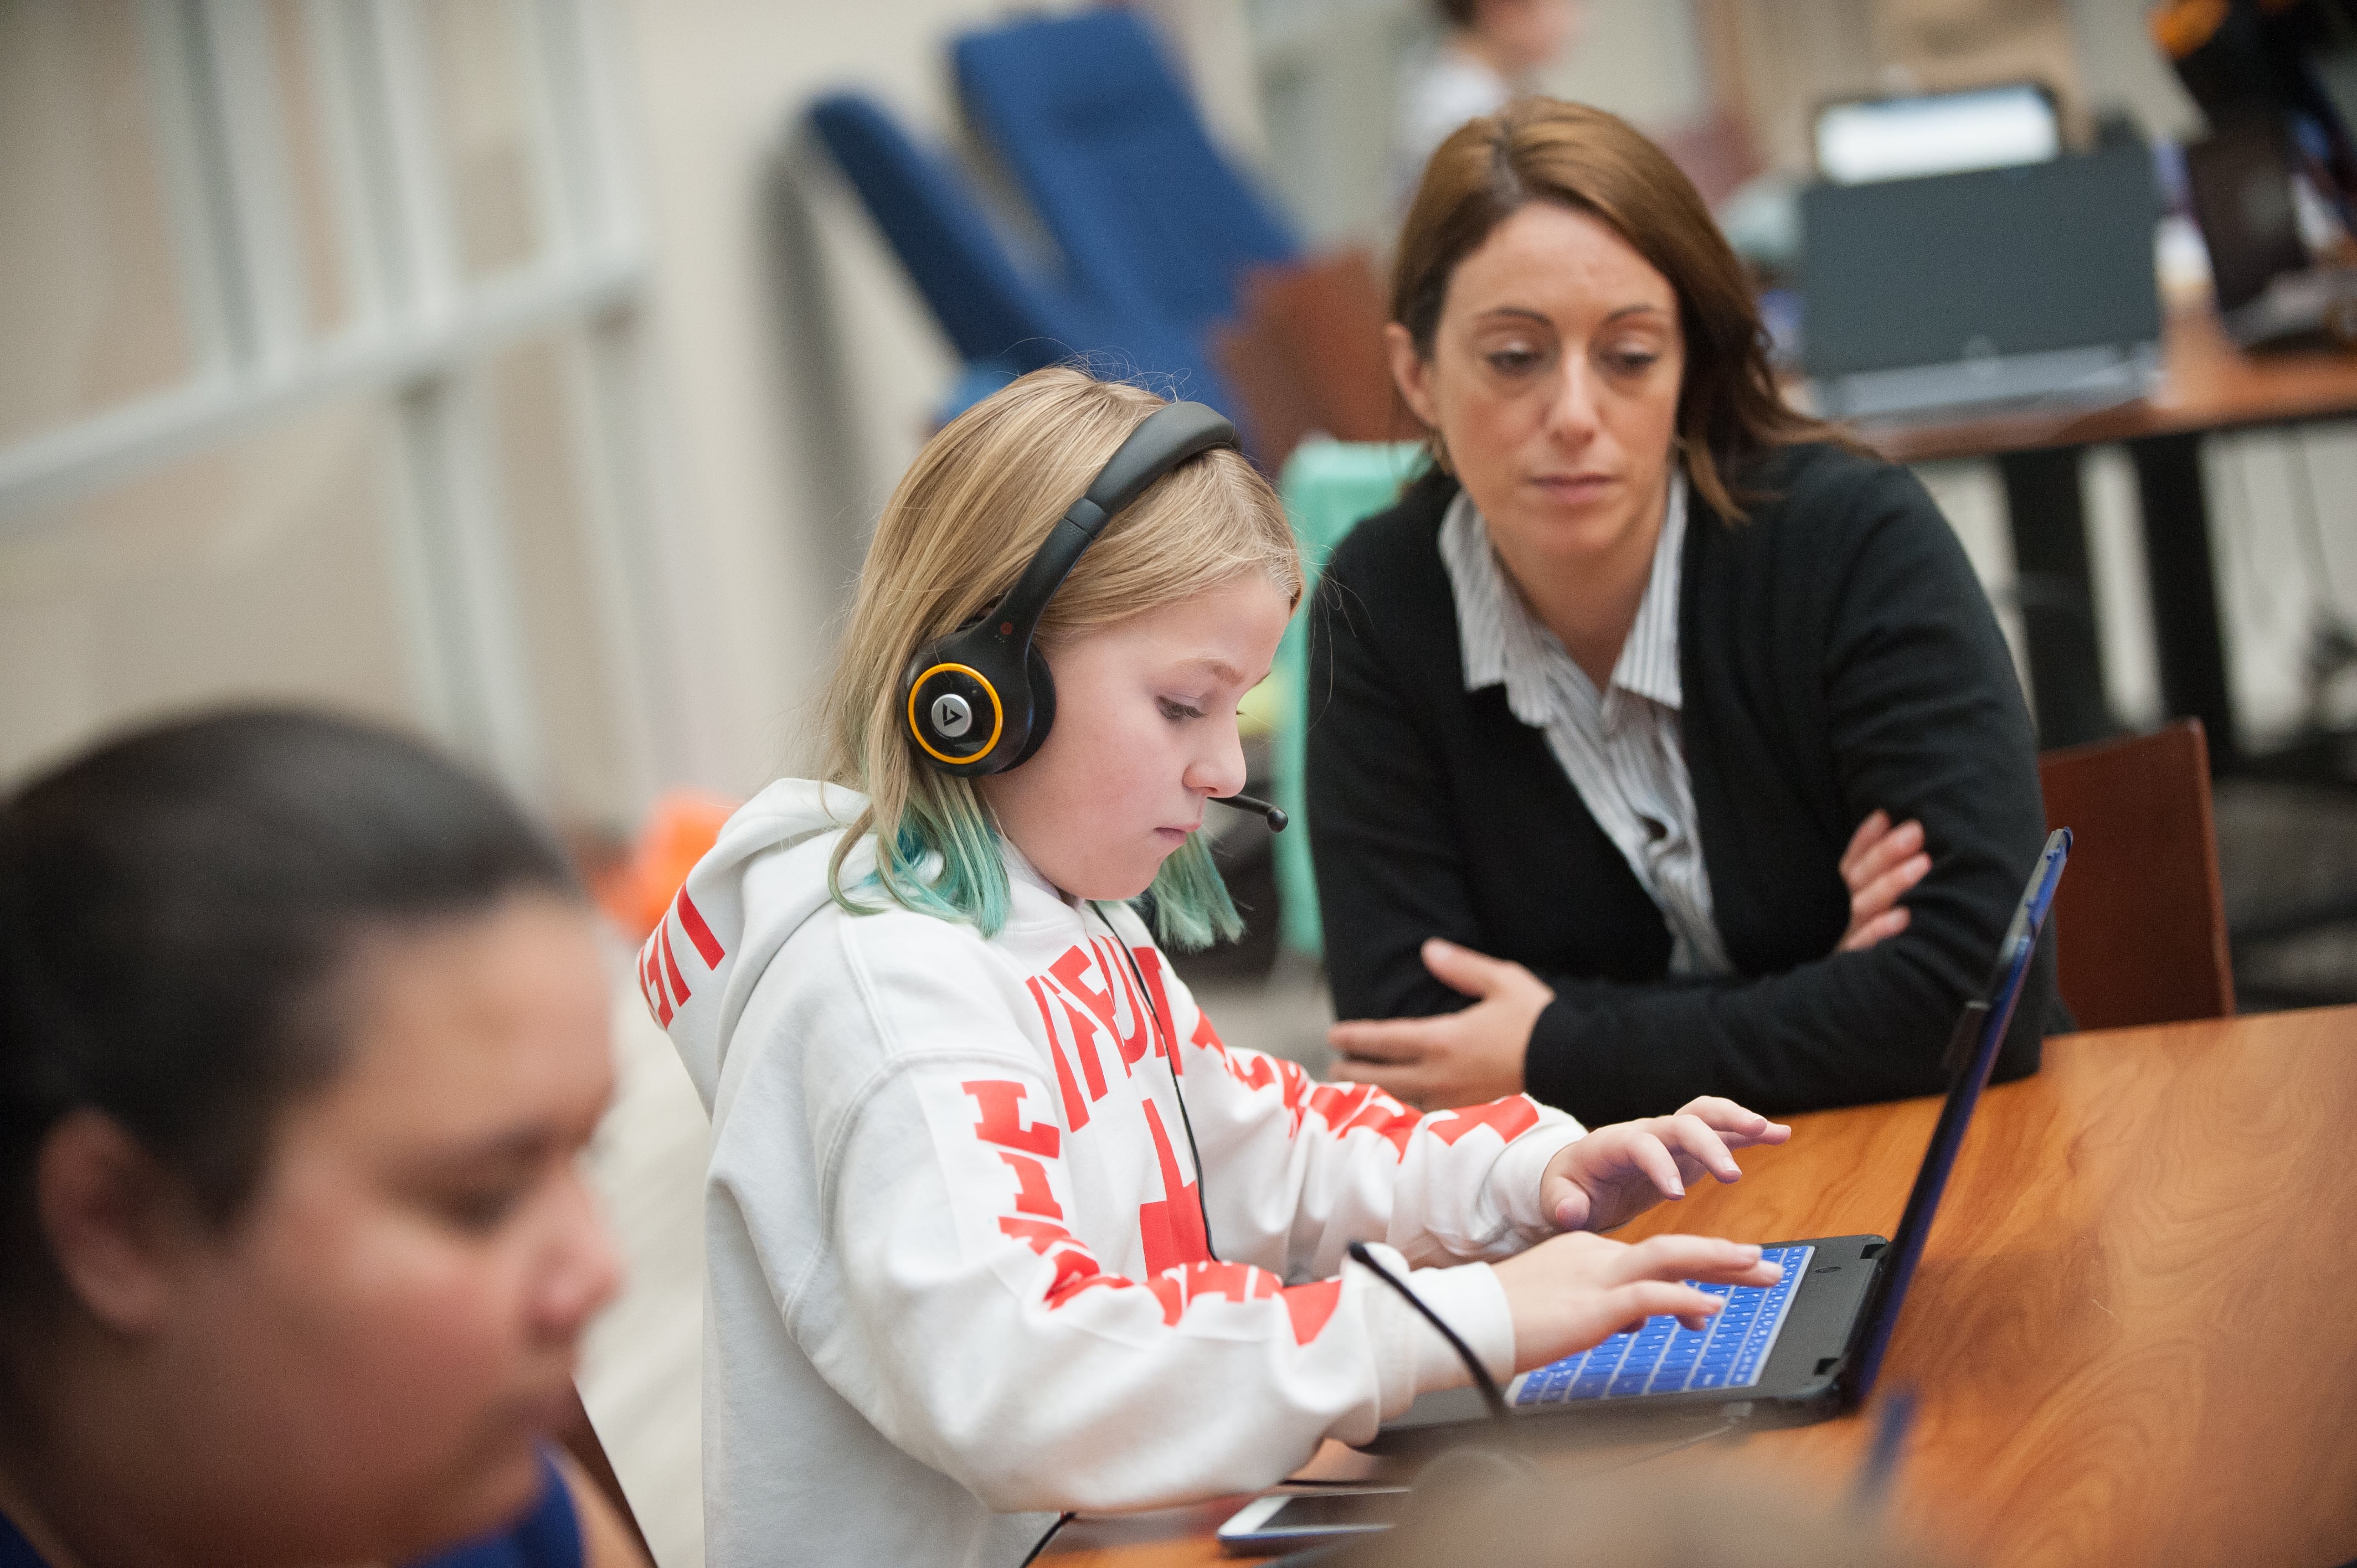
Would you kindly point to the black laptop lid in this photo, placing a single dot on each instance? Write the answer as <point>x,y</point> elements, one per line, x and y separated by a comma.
<point>2240,182</point>
<point>1979,1031</point>
<point>1958,267</point>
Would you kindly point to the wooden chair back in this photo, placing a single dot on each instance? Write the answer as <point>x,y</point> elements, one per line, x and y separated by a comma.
<point>1307,355</point>
<point>2140,918</point>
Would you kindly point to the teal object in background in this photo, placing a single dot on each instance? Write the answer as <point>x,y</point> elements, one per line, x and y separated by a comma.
<point>1328,485</point>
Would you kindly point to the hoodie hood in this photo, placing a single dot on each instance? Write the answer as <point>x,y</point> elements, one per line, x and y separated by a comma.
<point>706,955</point>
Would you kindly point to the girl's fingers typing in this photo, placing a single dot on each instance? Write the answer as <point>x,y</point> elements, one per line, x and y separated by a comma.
<point>1569,1292</point>
<point>1697,1140</point>
<point>1627,1306</point>
<point>1651,1156</point>
<point>1722,1114</point>
<point>1708,1257</point>
<point>1736,1126</point>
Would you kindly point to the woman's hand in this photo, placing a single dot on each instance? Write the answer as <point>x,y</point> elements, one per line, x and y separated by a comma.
<point>1880,866</point>
<point>1457,1058</point>
<point>1570,1292</point>
<point>1616,1172</point>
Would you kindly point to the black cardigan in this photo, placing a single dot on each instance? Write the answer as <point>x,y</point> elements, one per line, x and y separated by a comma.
<point>1837,654</point>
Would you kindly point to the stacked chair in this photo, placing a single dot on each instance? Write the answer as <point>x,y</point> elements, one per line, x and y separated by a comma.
<point>1002,320</point>
<point>1156,230</point>
<point>1106,145</point>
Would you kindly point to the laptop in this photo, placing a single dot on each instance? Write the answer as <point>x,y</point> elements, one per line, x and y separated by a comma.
<point>1971,292</point>
<point>1808,1347</point>
<point>2269,293</point>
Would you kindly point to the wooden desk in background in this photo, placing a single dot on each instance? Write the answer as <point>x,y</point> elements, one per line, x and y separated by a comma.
<point>2132,1336</point>
<point>2208,385</point>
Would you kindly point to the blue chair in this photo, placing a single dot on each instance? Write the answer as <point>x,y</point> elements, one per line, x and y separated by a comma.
<point>1002,321</point>
<point>1109,151</point>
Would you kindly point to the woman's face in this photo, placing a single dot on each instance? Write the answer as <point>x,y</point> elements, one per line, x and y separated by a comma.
<point>1145,732</point>
<point>1554,382</point>
<point>369,1353</point>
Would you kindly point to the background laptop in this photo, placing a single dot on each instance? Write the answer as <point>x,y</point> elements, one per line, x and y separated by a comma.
<point>1960,291</point>
<point>1809,1346</point>
<point>2269,294</point>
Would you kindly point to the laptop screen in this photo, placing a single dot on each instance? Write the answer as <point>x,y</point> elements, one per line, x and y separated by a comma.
<point>1900,138</point>
<point>1983,1026</point>
<point>2240,181</point>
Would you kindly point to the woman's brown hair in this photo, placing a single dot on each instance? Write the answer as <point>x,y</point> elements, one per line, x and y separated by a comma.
<point>1540,149</point>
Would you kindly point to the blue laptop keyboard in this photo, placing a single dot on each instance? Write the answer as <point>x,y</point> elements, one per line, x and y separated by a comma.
<point>1728,1352</point>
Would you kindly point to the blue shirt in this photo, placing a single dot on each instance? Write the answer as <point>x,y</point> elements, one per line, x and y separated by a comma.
<point>547,1537</point>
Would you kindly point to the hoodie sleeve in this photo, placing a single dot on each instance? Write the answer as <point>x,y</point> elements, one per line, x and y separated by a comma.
<point>1305,1168</point>
<point>987,1339</point>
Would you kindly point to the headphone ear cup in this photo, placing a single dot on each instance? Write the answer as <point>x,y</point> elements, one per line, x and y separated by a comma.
<point>959,706</point>
<point>1043,704</point>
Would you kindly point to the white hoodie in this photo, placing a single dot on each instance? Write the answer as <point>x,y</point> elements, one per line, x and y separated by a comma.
<point>958,1275</point>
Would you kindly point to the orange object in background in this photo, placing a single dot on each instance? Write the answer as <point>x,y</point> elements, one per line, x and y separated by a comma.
<point>637,888</point>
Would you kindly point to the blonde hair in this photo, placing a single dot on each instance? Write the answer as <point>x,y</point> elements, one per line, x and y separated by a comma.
<point>961,526</point>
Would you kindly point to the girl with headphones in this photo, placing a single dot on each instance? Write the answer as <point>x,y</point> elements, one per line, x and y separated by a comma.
<point>996,1224</point>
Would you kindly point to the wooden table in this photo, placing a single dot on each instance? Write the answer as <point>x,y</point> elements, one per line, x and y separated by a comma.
<point>2208,384</point>
<point>2133,1335</point>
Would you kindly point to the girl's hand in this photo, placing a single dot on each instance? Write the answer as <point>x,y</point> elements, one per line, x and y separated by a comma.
<point>1570,1292</point>
<point>1881,864</point>
<point>1458,1059</point>
<point>1616,1172</point>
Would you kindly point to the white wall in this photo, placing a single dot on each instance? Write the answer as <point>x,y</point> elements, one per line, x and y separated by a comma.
<point>2121,67</point>
<point>1330,73</point>
<point>1641,60</point>
<point>797,370</point>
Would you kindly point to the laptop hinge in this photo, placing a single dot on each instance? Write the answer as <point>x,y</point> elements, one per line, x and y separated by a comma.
<point>1966,1034</point>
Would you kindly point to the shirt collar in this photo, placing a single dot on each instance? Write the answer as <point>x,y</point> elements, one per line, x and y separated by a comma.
<point>1648,665</point>
<point>1504,645</point>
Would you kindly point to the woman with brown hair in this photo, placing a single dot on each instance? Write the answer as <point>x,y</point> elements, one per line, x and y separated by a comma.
<point>1611,717</point>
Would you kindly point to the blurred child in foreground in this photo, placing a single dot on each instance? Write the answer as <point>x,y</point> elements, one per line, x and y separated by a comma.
<point>302,1031</point>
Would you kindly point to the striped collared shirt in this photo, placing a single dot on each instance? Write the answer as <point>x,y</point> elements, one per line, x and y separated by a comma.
<point>1624,750</point>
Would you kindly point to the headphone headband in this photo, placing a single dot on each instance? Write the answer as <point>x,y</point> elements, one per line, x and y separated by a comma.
<point>992,663</point>
<point>1164,439</point>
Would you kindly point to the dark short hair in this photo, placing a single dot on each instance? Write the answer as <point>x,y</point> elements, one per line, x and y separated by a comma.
<point>1540,149</point>
<point>1457,12</point>
<point>175,905</point>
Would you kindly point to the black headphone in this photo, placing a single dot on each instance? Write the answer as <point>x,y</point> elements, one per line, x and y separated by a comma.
<point>981,700</point>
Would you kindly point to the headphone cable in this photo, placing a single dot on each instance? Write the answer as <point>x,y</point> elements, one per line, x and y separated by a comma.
<point>1491,1397</point>
<point>1049,1534</point>
<point>1171,1040</point>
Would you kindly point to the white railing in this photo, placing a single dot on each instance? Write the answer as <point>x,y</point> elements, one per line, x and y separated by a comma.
<point>419,330</point>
